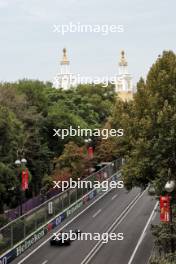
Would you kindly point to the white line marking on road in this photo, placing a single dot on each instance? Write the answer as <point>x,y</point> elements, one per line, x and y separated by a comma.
<point>99,211</point>
<point>45,262</point>
<point>143,234</point>
<point>70,221</point>
<point>114,225</point>
<point>154,215</point>
<point>114,197</point>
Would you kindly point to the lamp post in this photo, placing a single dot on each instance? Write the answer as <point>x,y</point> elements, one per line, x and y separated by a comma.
<point>89,147</point>
<point>21,163</point>
<point>88,140</point>
<point>169,187</point>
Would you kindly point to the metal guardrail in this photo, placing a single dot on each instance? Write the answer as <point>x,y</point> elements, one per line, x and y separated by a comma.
<point>19,229</point>
<point>155,254</point>
<point>159,256</point>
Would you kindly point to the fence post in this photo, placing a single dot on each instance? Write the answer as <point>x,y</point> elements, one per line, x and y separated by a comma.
<point>24,228</point>
<point>11,235</point>
<point>68,197</point>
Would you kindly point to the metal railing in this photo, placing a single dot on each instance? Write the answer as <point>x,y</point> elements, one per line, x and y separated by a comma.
<point>159,256</point>
<point>19,229</point>
<point>30,204</point>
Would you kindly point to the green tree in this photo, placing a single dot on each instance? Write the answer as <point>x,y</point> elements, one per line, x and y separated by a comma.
<point>150,127</point>
<point>72,159</point>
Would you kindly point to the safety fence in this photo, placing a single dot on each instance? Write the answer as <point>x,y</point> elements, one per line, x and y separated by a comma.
<point>30,204</point>
<point>159,256</point>
<point>57,208</point>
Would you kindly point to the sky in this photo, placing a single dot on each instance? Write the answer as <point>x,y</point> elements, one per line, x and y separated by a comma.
<point>29,47</point>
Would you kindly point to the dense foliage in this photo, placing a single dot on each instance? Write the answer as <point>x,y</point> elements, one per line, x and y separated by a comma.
<point>149,123</point>
<point>29,111</point>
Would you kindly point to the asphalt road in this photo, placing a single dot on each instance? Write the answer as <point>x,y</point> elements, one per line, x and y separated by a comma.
<point>128,211</point>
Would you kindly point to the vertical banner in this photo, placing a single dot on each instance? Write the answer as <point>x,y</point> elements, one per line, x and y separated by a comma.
<point>90,152</point>
<point>165,208</point>
<point>25,180</point>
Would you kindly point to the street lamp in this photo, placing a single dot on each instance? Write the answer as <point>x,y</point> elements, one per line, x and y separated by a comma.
<point>88,143</point>
<point>18,162</point>
<point>21,163</point>
<point>87,140</point>
<point>169,187</point>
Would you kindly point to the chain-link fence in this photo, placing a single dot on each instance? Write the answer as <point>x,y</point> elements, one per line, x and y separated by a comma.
<point>22,227</point>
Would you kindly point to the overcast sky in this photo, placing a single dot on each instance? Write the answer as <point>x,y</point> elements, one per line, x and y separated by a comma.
<point>30,49</point>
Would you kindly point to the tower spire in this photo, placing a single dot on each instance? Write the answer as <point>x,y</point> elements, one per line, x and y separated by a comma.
<point>65,60</point>
<point>123,61</point>
<point>64,79</point>
<point>124,86</point>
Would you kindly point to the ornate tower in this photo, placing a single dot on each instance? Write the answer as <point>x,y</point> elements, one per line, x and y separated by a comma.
<point>124,86</point>
<point>65,64</point>
<point>64,79</point>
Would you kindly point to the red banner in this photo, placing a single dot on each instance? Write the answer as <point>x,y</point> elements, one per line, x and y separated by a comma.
<point>25,180</point>
<point>90,152</point>
<point>165,208</point>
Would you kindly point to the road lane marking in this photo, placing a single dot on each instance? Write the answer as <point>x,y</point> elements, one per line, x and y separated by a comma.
<point>45,262</point>
<point>114,197</point>
<point>99,211</point>
<point>114,225</point>
<point>143,234</point>
<point>154,215</point>
<point>69,222</point>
